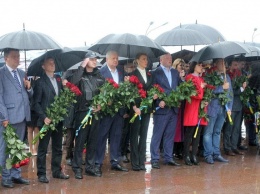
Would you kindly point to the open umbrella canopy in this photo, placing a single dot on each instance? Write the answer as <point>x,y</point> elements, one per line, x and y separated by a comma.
<point>2,61</point>
<point>64,59</point>
<point>128,45</point>
<point>28,40</point>
<point>219,50</point>
<point>184,54</point>
<point>208,31</point>
<point>182,37</point>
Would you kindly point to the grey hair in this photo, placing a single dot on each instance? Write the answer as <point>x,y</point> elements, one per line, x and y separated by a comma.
<point>109,53</point>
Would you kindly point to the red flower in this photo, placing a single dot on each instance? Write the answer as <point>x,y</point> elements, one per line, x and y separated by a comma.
<point>133,79</point>
<point>148,73</point>
<point>73,89</point>
<point>111,81</point>
<point>22,163</point>
<point>159,88</point>
<point>210,87</point>
<point>115,85</point>
<point>58,79</point>
<point>139,86</point>
<point>142,93</point>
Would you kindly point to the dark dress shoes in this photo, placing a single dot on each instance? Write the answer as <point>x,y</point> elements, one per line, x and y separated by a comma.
<point>230,153</point>
<point>172,163</point>
<point>142,168</point>
<point>21,181</point>
<point>243,147</point>
<point>136,169</point>
<point>187,161</point>
<point>43,179</point>
<point>7,183</point>
<point>118,167</point>
<point>125,159</point>
<point>78,174</point>
<point>155,165</point>
<point>194,160</point>
<point>98,170</point>
<point>93,172</point>
<point>236,151</point>
<point>61,176</point>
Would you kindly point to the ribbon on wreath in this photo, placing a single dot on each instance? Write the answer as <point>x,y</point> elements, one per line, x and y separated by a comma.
<point>84,122</point>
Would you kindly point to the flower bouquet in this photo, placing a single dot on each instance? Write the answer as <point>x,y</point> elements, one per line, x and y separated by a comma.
<point>59,108</point>
<point>106,98</point>
<point>15,149</point>
<point>183,92</point>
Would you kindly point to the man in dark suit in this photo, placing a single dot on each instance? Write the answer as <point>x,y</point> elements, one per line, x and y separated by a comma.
<point>111,125</point>
<point>231,132</point>
<point>14,109</point>
<point>165,118</point>
<point>46,88</point>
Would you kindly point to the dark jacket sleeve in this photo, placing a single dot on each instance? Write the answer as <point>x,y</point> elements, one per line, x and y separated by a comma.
<point>76,76</point>
<point>37,99</point>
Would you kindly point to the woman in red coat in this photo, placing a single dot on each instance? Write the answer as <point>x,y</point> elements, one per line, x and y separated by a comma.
<point>191,115</point>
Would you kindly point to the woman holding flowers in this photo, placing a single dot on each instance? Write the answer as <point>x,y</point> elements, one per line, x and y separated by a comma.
<point>88,78</point>
<point>191,116</point>
<point>139,128</point>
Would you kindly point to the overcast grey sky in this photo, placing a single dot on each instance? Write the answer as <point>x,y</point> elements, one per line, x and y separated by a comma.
<point>74,22</point>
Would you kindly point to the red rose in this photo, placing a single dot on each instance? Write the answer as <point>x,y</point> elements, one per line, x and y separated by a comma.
<point>115,85</point>
<point>211,87</point>
<point>73,89</point>
<point>133,79</point>
<point>139,86</point>
<point>16,165</point>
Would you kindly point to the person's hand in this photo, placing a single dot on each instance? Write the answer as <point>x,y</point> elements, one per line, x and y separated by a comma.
<point>244,85</point>
<point>137,110</point>
<point>182,73</point>
<point>229,112</point>
<point>162,104</point>
<point>203,85</point>
<point>64,82</point>
<point>125,116</point>
<point>155,96</point>
<point>225,86</point>
<point>96,109</point>
<point>47,121</point>
<point>27,84</point>
<point>5,123</point>
<point>85,62</point>
<point>126,78</point>
<point>206,103</point>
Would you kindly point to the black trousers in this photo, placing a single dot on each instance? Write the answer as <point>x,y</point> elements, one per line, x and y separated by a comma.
<point>138,135</point>
<point>56,137</point>
<point>125,136</point>
<point>70,142</point>
<point>89,134</point>
<point>190,140</point>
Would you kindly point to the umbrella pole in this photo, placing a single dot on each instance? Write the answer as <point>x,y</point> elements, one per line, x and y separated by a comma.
<point>224,71</point>
<point>25,61</point>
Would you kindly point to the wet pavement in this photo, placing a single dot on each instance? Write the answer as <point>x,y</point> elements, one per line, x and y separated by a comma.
<point>240,175</point>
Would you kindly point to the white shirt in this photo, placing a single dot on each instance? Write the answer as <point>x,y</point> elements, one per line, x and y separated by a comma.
<point>114,75</point>
<point>143,74</point>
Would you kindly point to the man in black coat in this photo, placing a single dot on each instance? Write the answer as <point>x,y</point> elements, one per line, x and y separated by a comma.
<point>88,78</point>
<point>46,88</point>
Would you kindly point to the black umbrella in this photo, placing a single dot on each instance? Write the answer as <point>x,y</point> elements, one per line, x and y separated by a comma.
<point>27,40</point>
<point>208,31</point>
<point>184,54</point>
<point>219,50</point>
<point>64,59</point>
<point>128,45</point>
<point>182,37</point>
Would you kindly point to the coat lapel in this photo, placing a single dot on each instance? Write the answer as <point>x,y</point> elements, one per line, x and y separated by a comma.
<point>48,83</point>
<point>11,78</point>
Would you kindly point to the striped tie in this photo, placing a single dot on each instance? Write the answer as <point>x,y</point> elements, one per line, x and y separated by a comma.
<point>16,79</point>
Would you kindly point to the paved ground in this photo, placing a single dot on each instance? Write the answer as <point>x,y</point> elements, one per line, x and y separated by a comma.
<point>240,175</point>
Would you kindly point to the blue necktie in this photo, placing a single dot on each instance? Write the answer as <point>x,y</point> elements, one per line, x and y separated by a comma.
<point>16,78</point>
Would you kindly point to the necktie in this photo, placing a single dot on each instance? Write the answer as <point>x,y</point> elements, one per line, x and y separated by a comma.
<point>16,79</point>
